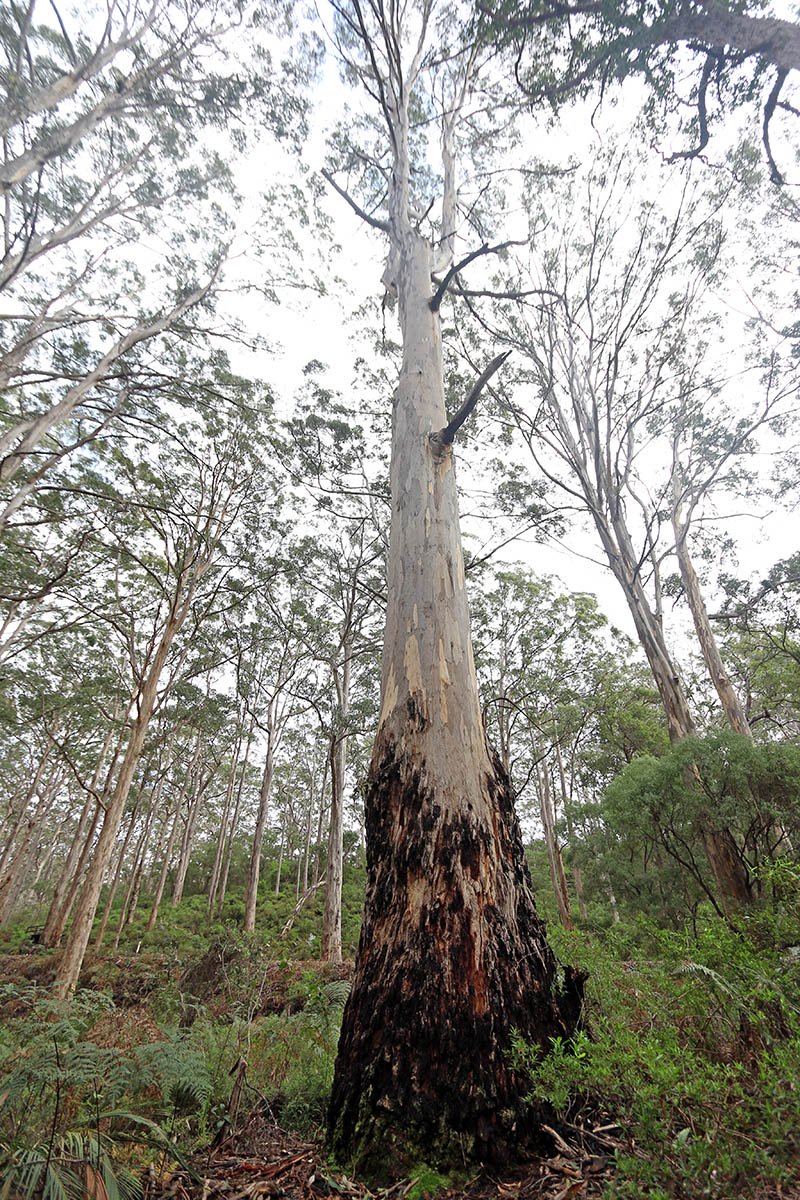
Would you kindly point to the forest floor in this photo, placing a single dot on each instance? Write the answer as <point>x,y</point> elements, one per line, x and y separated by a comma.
<point>261,1159</point>
<point>693,1048</point>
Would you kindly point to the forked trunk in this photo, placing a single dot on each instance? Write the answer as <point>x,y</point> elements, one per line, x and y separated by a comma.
<point>453,957</point>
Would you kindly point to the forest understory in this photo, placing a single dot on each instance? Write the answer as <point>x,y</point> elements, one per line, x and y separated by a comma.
<point>210,1076</point>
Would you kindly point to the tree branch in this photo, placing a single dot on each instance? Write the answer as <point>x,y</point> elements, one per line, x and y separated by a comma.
<point>375,222</point>
<point>438,296</point>
<point>702,112</point>
<point>446,436</point>
<point>769,108</point>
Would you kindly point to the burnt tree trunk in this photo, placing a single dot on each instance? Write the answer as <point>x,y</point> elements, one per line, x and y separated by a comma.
<point>453,956</point>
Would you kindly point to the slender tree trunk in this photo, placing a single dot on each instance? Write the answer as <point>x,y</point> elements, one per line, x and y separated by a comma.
<point>453,958</point>
<point>254,870</point>
<point>131,900</point>
<point>112,891</point>
<point>22,812</point>
<point>577,875</point>
<point>307,840</point>
<point>731,705</point>
<point>216,869</point>
<point>72,959</point>
<point>558,879</point>
<point>57,914</point>
<point>280,866</point>
<point>54,931</point>
<point>320,824</point>
<point>187,841</point>
<point>13,882</point>
<point>165,863</point>
<point>332,914</point>
<point>729,872</point>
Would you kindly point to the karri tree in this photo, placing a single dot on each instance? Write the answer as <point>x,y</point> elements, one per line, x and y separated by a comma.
<point>453,956</point>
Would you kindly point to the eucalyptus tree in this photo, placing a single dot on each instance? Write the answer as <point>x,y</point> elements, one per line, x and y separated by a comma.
<point>167,532</point>
<point>617,361</point>
<point>452,956</point>
<point>336,467</point>
<point>112,236</point>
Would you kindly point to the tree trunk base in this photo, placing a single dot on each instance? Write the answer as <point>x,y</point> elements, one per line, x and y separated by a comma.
<point>453,964</point>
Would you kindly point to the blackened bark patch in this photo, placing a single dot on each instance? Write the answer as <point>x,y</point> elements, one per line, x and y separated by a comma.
<point>453,958</point>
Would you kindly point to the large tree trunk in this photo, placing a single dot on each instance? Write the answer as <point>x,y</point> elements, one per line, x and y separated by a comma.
<point>453,957</point>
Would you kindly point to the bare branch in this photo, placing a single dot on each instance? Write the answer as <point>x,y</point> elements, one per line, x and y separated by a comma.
<point>438,295</point>
<point>375,222</point>
<point>446,436</point>
<point>769,108</point>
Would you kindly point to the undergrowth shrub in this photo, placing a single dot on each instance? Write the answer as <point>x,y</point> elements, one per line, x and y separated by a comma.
<point>291,1055</point>
<point>90,1093</point>
<point>696,1053</point>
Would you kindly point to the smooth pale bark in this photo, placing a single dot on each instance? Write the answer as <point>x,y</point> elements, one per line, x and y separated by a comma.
<point>66,889</point>
<point>128,910</point>
<point>223,883</point>
<point>558,879</point>
<point>280,866</point>
<point>57,913</point>
<point>600,488</point>
<point>165,862</point>
<point>332,913</point>
<point>307,841</point>
<point>22,812</point>
<point>452,956</point>
<point>320,824</point>
<point>254,869</point>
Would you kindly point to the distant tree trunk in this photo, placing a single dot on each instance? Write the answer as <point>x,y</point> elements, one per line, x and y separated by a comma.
<point>70,881</point>
<point>577,875</point>
<point>112,891</point>
<point>731,705</point>
<point>332,914</point>
<point>187,841</point>
<point>254,870</point>
<point>131,900</point>
<point>320,823</point>
<point>22,811</point>
<point>165,862</point>
<point>558,879</point>
<point>729,872</point>
<point>13,882</point>
<point>57,913</point>
<point>216,869</point>
<point>280,865</point>
<point>307,840</point>
<point>145,700</point>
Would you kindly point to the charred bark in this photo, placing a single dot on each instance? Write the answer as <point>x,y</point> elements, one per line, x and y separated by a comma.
<point>452,959</point>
